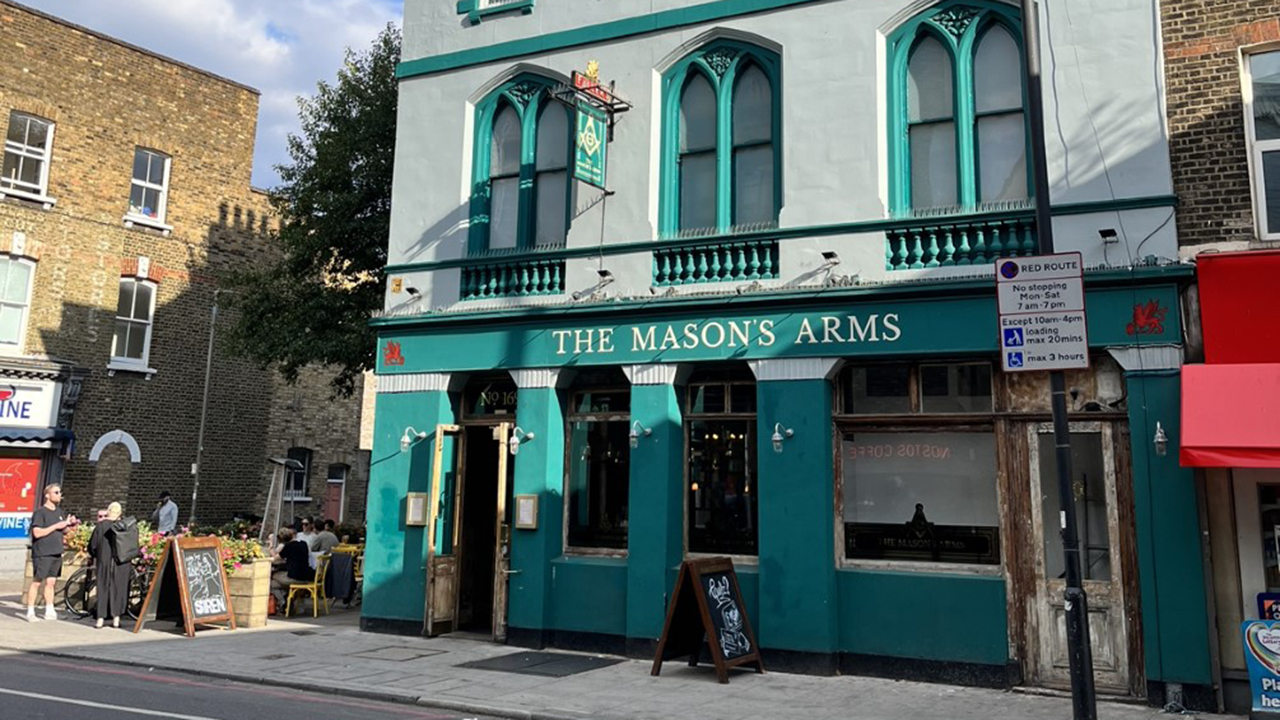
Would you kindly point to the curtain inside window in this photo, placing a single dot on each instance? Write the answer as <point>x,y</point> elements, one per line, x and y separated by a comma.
<point>552,183</point>
<point>504,174</point>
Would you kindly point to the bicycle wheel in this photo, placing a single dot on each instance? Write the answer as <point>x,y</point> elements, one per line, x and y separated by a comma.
<point>138,584</point>
<point>78,592</point>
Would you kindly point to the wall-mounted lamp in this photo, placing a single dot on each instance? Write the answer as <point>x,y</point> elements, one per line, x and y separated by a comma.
<point>830,259</point>
<point>410,437</point>
<point>1160,440</point>
<point>605,276</point>
<point>779,434</point>
<point>636,431</point>
<point>518,437</point>
<point>414,293</point>
<point>1108,235</point>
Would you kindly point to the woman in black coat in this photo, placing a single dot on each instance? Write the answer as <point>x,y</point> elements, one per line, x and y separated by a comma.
<point>113,575</point>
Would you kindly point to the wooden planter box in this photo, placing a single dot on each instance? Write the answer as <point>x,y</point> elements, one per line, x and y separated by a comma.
<point>70,563</point>
<point>250,587</point>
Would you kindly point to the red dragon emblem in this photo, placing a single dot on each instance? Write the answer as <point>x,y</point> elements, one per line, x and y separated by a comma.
<point>391,354</point>
<point>1148,319</point>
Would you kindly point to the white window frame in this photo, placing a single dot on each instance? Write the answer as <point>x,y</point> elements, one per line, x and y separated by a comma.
<point>1257,180</point>
<point>135,364</point>
<point>45,155</point>
<point>131,218</point>
<point>287,493</point>
<point>17,349</point>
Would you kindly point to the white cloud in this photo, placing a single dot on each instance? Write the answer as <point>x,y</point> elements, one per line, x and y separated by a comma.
<point>281,47</point>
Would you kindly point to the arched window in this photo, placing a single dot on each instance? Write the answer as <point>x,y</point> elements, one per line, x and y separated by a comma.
<point>721,158</point>
<point>521,189</point>
<point>956,101</point>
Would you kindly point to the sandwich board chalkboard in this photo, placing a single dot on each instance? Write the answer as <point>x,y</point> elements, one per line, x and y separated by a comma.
<point>707,604</point>
<point>189,584</point>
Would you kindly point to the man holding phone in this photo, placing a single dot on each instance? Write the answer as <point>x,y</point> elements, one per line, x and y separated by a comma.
<point>48,524</point>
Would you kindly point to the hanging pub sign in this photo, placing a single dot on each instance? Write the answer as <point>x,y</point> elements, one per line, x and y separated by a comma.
<point>707,607</point>
<point>591,141</point>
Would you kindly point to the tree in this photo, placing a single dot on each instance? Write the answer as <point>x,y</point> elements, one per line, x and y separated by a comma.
<point>312,304</point>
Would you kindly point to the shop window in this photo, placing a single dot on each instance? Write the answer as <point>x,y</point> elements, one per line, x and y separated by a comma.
<point>522,189</point>
<point>297,480</point>
<point>918,480</point>
<point>905,388</point>
<point>1262,116</point>
<point>27,149</point>
<point>131,345</point>
<point>15,301</point>
<point>722,175</point>
<point>956,94</point>
<point>599,468</point>
<point>149,190</point>
<point>720,430</point>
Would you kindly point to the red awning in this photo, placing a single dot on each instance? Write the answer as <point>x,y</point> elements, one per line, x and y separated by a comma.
<point>1231,415</point>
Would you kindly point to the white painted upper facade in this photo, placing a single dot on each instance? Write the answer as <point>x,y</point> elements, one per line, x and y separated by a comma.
<point>1105,132</point>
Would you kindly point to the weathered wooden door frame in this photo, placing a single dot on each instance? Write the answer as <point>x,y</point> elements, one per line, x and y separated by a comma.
<point>448,565</point>
<point>502,537</point>
<point>1124,578</point>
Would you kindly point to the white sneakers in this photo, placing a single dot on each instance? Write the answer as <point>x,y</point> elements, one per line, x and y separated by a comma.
<point>49,613</point>
<point>31,615</point>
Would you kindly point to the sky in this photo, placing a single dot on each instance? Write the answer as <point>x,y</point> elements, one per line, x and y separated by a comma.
<point>280,47</point>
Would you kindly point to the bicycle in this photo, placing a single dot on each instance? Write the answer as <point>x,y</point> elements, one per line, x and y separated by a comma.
<point>78,594</point>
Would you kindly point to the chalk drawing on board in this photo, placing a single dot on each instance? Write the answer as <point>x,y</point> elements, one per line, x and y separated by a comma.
<point>204,580</point>
<point>733,641</point>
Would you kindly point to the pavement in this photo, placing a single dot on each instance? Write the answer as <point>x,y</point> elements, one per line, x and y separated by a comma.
<point>331,655</point>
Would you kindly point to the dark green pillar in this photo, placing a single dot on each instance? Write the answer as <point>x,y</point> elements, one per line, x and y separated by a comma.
<point>539,470</point>
<point>797,506</point>
<point>655,538</point>
<point>396,554</point>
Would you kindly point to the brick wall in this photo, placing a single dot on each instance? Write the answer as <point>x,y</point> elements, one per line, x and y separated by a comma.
<point>1209,147</point>
<point>106,99</point>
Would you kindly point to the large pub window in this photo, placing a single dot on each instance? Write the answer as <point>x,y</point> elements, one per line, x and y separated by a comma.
<point>720,439</point>
<point>597,473</point>
<point>918,477</point>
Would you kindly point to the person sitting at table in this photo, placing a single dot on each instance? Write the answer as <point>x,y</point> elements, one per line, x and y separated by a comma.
<point>292,563</point>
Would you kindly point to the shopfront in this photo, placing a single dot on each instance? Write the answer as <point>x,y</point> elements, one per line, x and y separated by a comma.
<point>885,492</point>
<point>36,403</point>
<point>1231,437</point>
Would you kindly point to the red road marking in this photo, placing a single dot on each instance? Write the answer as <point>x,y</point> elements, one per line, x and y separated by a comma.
<point>247,686</point>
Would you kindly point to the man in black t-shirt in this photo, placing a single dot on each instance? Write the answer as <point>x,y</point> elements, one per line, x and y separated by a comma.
<point>48,523</point>
<point>292,563</point>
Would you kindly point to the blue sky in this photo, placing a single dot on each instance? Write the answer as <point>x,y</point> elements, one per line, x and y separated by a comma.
<point>281,47</point>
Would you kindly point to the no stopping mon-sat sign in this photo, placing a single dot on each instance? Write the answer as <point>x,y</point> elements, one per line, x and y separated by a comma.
<point>1041,305</point>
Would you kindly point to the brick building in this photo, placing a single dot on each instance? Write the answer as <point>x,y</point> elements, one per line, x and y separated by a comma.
<point>1222,68</point>
<point>125,201</point>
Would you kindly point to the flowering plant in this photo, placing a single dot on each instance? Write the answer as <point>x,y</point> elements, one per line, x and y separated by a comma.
<point>76,539</point>
<point>236,551</point>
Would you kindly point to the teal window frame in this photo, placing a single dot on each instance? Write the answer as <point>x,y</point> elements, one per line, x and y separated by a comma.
<point>529,95</point>
<point>720,62</point>
<point>959,25</point>
<point>476,11</point>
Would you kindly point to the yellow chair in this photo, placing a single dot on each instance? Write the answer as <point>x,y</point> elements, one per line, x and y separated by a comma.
<point>315,588</point>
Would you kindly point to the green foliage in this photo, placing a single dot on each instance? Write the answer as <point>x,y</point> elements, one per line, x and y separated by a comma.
<point>312,305</point>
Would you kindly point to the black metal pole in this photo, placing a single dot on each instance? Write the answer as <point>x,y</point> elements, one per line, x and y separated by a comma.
<point>1084,700</point>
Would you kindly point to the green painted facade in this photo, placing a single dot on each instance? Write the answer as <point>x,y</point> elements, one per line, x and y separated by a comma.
<point>797,596</point>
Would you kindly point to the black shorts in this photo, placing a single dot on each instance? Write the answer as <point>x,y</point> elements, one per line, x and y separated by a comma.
<point>46,566</point>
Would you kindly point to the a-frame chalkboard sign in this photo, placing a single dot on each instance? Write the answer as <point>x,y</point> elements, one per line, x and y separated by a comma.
<point>189,583</point>
<point>707,604</point>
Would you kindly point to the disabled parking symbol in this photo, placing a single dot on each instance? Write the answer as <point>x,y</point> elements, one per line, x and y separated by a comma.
<point>1015,359</point>
<point>1013,337</point>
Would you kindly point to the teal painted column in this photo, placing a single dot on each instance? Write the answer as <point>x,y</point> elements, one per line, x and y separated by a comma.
<point>396,555</point>
<point>655,538</point>
<point>539,470</point>
<point>1175,621</point>
<point>797,507</point>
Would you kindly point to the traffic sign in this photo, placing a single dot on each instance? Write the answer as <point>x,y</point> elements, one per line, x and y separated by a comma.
<point>1042,320</point>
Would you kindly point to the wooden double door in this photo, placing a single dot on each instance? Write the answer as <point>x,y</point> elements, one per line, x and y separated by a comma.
<point>1101,486</point>
<point>469,533</point>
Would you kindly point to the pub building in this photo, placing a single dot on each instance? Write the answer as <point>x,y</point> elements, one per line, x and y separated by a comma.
<point>769,332</point>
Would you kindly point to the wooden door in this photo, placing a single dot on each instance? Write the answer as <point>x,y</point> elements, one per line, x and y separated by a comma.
<point>1104,555</point>
<point>502,536</point>
<point>333,501</point>
<point>442,534</point>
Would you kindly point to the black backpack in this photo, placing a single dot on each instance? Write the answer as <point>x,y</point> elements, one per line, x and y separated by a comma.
<point>124,540</point>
